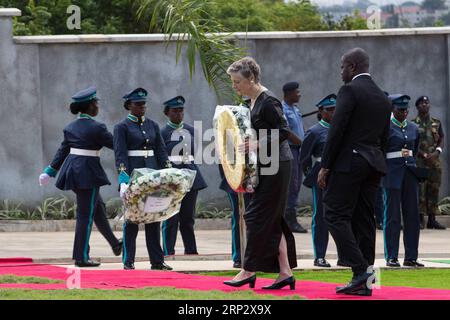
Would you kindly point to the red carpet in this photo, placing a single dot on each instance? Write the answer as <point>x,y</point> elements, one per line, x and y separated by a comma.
<point>120,279</point>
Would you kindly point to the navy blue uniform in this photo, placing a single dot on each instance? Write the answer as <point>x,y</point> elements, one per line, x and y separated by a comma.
<point>186,216</point>
<point>84,175</point>
<point>310,157</point>
<point>401,189</point>
<point>140,134</point>
<point>234,203</point>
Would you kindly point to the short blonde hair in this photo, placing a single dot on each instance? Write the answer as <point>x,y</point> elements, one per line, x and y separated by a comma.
<point>246,67</point>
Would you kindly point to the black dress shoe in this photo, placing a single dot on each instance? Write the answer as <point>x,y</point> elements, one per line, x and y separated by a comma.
<point>281,284</point>
<point>413,263</point>
<point>117,250</point>
<point>128,266</point>
<point>393,263</point>
<point>87,264</point>
<point>342,264</point>
<point>379,226</point>
<point>358,286</point>
<point>321,262</point>
<point>297,228</point>
<point>435,225</point>
<point>239,283</point>
<point>161,266</point>
<point>237,265</point>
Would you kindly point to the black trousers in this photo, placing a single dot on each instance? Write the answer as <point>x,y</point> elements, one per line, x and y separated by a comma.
<point>235,218</point>
<point>319,226</point>
<point>152,240</point>
<point>90,209</point>
<point>404,202</point>
<point>379,206</point>
<point>349,201</point>
<point>186,220</point>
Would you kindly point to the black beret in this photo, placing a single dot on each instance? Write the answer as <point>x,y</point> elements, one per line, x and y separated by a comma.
<point>421,98</point>
<point>294,85</point>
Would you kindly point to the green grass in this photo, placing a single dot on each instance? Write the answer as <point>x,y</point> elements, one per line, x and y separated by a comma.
<point>27,280</point>
<point>424,278</point>
<point>138,294</point>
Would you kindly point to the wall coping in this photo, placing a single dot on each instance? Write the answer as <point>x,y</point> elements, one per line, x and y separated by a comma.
<point>119,38</point>
<point>10,12</point>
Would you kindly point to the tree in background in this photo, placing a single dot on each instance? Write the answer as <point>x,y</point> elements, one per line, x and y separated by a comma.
<point>120,16</point>
<point>189,23</point>
<point>434,5</point>
<point>348,22</point>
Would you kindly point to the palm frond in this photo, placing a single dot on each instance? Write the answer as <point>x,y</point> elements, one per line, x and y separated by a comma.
<point>188,23</point>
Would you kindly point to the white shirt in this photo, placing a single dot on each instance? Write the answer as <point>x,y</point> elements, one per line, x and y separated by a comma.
<point>361,74</point>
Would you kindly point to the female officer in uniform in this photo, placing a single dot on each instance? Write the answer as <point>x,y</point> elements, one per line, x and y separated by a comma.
<point>138,144</point>
<point>401,187</point>
<point>80,171</point>
<point>179,138</point>
<point>310,158</point>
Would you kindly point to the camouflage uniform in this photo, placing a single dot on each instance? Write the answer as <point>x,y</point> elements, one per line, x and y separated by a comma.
<point>430,131</point>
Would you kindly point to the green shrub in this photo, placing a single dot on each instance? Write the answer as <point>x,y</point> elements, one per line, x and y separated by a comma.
<point>114,206</point>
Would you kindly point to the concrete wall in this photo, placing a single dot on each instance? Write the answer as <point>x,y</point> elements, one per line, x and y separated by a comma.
<point>39,75</point>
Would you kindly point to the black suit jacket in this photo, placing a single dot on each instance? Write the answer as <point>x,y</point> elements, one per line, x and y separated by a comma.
<point>361,122</point>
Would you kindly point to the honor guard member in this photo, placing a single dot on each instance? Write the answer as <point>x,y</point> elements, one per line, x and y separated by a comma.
<point>138,144</point>
<point>179,138</point>
<point>401,186</point>
<point>80,170</point>
<point>310,158</point>
<point>379,202</point>
<point>294,118</point>
<point>430,149</point>
<point>233,198</point>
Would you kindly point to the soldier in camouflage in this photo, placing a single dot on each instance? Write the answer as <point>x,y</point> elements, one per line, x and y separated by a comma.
<point>430,149</point>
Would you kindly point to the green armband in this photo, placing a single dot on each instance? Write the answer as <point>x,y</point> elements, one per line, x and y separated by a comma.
<point>50,171</point>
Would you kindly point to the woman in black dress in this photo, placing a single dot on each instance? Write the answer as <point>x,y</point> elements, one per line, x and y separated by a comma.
<point>270,243</point>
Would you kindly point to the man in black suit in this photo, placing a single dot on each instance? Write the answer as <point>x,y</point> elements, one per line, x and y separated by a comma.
<point>353,162</point>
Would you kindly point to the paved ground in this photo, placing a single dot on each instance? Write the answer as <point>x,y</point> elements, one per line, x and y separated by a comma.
<point>214,248</point>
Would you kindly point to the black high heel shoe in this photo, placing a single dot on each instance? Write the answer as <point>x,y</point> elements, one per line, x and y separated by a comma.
<point>239,283</point>
<point>279,285</point>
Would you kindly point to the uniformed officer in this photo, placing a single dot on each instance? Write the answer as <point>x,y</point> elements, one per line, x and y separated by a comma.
<point>430,149</point>
<point>179,138</point>
<point>233,198</point>
<point>401,186</point>
<point>80,170</point>
<point>138,144</point>
<point>294,118</point>
<point>379,202</point>
<point>310,158</point>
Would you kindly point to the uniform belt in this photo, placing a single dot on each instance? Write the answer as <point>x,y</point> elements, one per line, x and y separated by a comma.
<point>84,152</point>
<point>140,153</point>
<point>398,154</point>
<point>188,158</point>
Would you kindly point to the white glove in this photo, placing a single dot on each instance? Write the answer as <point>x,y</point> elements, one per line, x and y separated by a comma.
<point>123,189</point>
<point>44,179</point>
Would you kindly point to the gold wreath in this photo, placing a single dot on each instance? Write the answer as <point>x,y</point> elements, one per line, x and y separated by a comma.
<point>234,169</point>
